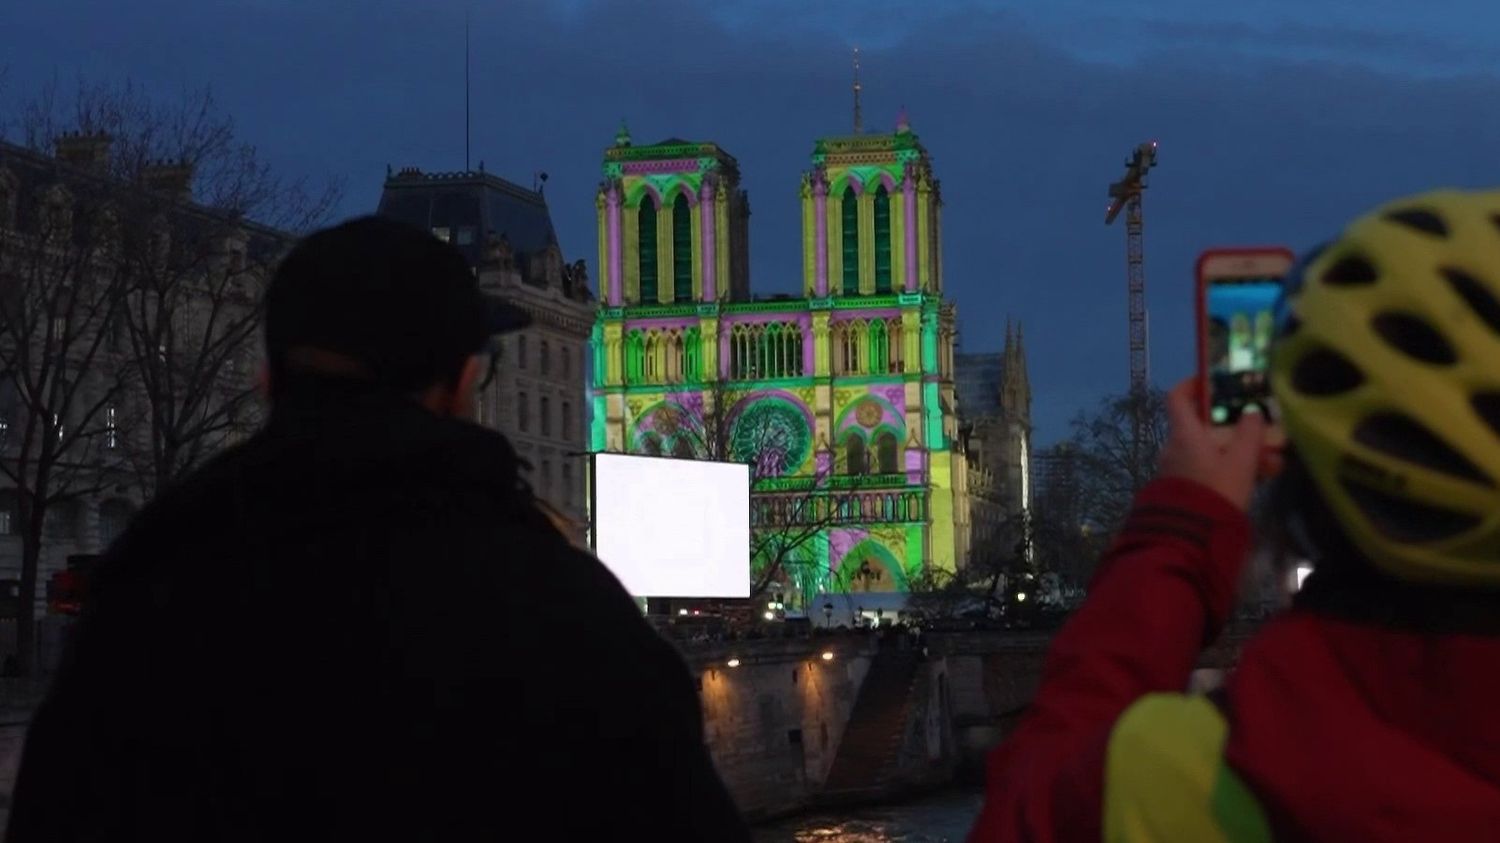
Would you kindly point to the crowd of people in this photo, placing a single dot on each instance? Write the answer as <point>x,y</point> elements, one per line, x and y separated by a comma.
<point>448,665</point>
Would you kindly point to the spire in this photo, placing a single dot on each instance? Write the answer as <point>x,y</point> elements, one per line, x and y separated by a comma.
<point>859,122</point>
<point>622,137</point>
<point>903,122</point>
<point>1010,339</point>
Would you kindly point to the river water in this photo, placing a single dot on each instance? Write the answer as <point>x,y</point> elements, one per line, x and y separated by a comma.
<point>938,819</point>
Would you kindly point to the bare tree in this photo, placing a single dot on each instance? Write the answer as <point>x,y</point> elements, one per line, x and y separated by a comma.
<point>202,231</point>
<point>133,250</point>
<point>59,288</point>
<point>1109,469</point>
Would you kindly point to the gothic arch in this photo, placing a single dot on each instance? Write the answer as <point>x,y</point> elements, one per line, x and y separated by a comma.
<point>842,422</point>
<point>880,560</point>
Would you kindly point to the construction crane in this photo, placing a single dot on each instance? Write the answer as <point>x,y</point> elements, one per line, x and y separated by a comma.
<point>1125,194</point>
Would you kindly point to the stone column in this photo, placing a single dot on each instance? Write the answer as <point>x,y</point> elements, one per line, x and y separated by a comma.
<point>909,207</point>
<point>616,268</point>
<point>820,217</point>
<point>709,241</point>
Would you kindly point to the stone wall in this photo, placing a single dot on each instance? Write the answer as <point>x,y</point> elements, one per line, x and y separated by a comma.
<point>774,722</point>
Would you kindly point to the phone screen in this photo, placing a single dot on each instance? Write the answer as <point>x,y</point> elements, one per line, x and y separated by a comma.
<point>1240,324</point>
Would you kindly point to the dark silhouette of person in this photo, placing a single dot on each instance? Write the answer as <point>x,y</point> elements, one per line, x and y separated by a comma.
<point>359,625</point>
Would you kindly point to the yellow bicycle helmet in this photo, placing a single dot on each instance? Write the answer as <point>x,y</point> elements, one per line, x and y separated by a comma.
<point>1387,371</point>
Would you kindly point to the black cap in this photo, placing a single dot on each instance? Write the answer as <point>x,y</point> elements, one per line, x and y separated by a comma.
<point>391,296</point>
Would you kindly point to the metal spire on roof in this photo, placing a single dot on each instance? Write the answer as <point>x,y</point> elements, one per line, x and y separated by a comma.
<point>859,123</point>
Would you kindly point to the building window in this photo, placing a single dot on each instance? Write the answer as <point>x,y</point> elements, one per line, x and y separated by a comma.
<point>114,517</point>
<point>441,233</point>
<point>9,513</point>
<point>562,354</point>
<point>465,235</point>
<point>111,428</point>
<point>682,249</point>
<point>546,478</point>
<point>882,240</point>
<point>567,481</point>
<point>885,452</point>
<point>521,352</point>
<point>854,450</point>
<point>523,412</point>
<point>565,429</point>
<point>646,245</point>
<point>850,213</point>
<point>546,359</point>
<point>546,416</point>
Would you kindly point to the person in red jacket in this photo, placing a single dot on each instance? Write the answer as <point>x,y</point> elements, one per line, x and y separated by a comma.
<point>1366,712</point>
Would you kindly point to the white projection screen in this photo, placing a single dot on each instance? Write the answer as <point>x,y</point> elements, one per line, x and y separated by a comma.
<point>672,527</point>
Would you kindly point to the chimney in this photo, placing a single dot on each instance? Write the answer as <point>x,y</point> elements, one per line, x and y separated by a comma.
<point>173,178</point>
<point>86,150</point>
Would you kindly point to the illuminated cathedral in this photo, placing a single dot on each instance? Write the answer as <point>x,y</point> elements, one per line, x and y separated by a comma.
<point>842,399</point>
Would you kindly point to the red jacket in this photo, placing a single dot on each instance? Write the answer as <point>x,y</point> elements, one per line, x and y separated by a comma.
<point>1327,730</point>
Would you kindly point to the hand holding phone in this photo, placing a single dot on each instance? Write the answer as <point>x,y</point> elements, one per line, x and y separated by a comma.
<point>1238,289</point>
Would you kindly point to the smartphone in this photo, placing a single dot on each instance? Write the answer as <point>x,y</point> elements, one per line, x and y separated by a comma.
<point>1238,289</point>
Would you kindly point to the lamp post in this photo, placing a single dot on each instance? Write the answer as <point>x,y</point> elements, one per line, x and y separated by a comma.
<point>828,614</point>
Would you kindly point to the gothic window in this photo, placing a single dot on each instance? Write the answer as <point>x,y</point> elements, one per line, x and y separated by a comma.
<point>850,213</point>
<point>635,357</point>
<point>646,243</point>
<point>849,347</point>
<point>683,449</point>
<point>885,453</point>
<point>692,355</point>
<point>880,347</point>
<point>682,249</point>
<point>651,445</point>
<point>882,240</point>
<point>766,350</point>
<point>855,459</point>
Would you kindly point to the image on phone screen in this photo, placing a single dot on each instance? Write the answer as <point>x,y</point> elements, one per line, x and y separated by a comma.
<point>1240,324</point>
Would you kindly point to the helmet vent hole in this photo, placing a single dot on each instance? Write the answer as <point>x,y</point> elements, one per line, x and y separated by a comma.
<point>1487,405</point>
<point>1401,438</point>
<point>1421,219</point>
<point>1406,521</point>
<point>1415,338</point>
<point>1350,272</point>
<point>1324,373</point>
<point>1476,294</point>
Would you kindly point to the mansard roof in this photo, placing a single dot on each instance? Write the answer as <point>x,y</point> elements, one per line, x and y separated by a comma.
<point>479,201</point>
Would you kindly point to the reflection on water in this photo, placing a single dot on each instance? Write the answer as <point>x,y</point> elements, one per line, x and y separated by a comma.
<point>940,819</point>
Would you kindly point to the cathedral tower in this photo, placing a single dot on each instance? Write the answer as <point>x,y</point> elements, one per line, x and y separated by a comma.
<point>673,224</point>
<point>871,217</point>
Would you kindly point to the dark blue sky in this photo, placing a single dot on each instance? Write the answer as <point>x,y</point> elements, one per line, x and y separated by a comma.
<point>1277,120</point>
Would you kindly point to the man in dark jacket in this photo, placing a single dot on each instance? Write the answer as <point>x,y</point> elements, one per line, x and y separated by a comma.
<point>359,625</point>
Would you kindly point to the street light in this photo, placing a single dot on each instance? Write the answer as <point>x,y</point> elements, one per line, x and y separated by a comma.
<point>827,656</point>
<point>1020,597</point>
<point>828,613</point>
<point>733,662</point>
<point>770,616</point>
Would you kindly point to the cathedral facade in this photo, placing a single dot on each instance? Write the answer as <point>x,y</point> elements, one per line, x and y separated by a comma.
<point>841,399</point>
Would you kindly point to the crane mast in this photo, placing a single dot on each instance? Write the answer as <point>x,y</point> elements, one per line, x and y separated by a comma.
<point>1125,195</point>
